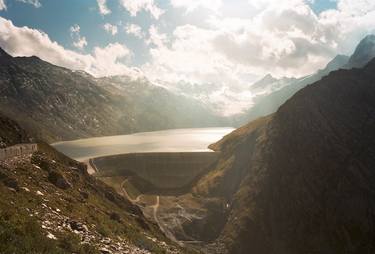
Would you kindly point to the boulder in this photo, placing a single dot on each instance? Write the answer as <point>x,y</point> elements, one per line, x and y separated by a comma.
<point>58,180</point>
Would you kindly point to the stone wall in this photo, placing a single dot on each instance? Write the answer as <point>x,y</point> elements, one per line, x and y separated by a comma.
<point>17,150</point>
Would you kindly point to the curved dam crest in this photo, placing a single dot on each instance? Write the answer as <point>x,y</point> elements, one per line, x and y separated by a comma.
<point>163,170</point>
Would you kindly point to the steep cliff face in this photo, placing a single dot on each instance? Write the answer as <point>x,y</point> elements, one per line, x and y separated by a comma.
<point>303,177</point>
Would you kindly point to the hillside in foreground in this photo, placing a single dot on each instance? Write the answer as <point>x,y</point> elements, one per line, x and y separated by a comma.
<point>49,204</point>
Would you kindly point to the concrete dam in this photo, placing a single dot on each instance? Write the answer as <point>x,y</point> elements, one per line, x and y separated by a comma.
<point>163,170</point>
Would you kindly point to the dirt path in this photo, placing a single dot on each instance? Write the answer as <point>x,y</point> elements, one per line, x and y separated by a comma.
<point>91,167</point>
<point>161,225</point>
<point>154,207</point>
<point>123,189</point>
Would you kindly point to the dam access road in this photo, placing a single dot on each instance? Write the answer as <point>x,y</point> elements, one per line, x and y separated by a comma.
<point>155,171</point>
<point>146,178</point>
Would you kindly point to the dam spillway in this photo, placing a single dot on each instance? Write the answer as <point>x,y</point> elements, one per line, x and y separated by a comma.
<point>164,170</point>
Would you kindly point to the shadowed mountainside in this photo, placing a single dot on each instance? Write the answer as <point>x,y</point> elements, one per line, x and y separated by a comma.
<point>302,180</point>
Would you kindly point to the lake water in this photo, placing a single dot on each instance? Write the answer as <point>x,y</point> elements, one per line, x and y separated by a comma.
<point>175,140</point>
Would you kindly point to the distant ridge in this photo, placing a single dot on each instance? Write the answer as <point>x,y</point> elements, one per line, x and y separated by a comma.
<point>270,103</point>
<point>363,54</point>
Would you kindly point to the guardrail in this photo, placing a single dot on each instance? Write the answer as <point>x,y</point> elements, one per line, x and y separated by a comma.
<point>17,150</point>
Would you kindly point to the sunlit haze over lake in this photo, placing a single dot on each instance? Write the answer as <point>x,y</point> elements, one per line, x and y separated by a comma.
<point>176,140</point>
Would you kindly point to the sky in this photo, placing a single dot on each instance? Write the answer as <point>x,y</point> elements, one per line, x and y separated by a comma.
<point>229,42</point>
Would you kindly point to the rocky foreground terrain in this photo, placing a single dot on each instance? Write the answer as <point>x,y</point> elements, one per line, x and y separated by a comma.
<point>49,204</point>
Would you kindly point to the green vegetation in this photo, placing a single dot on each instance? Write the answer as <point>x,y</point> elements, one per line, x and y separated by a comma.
<point>35,205</point>
<point>20,233</point>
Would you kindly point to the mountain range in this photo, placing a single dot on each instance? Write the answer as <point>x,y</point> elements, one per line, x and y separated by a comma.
<point>54,103</point>
<point>271,101</point>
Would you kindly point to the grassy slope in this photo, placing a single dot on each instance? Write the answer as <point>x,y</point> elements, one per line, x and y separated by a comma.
<point>50,193</point>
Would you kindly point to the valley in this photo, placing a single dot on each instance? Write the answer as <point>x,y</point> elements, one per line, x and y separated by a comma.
<point>187,127</point>
<point>157,180</point>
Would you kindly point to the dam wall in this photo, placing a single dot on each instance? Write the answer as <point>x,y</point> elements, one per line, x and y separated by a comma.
<point>167,170</point>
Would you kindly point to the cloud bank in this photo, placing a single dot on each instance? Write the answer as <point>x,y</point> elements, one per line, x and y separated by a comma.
<point>283,37</point>
<point>205,41</point>
<point>133,7</point>
<point>24,41</point>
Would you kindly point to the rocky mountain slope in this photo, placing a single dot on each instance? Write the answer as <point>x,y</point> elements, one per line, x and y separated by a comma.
<point>268,84</point>
<point>11,133</point>
<point>49,204</point>
<point>55,103</point>
<point>302,179</point>
<point>364,53</point>
<point>156,108</point>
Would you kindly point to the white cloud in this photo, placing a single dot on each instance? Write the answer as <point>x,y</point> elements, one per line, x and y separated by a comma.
<point>35,3</point>
<point>155,37</point>
<point>135,6</point>
<point>112,29</point>
<point>108,60</point>
<point>283,37</point>
<point>79,41</point>
<point>356,7</point>
<point>189,56</point>
<point>2,5</point>
<point>134,29</point>
<point>191,5</point>
<point>103,9</point>
<point>75,29</point>
<point>25,41</point>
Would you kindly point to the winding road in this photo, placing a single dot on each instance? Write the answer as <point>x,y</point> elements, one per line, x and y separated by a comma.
<point>91,167</point>
<point>154,207</point>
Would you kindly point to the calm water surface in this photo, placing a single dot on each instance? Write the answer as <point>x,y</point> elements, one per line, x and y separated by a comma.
<point>176,140</point>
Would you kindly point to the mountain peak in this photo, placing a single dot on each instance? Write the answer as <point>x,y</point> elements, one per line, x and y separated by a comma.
<point>268,77</point>
<point>369,38</point>
<point>3,53</point>
<point>264,81</point>
<point>336,63</point>
<point>364,53</point>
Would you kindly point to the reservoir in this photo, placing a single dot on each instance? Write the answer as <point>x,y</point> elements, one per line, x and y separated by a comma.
<point>174,140</point>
